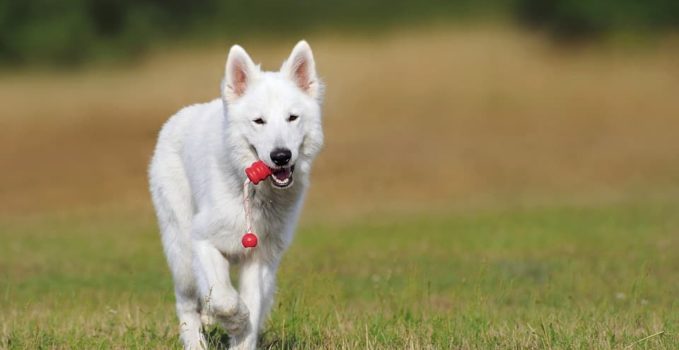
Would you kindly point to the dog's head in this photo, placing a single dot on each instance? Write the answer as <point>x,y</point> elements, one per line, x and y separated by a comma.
<point>276,116</point>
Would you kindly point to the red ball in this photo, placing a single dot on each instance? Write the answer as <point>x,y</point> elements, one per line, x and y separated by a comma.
<point>249,240</point>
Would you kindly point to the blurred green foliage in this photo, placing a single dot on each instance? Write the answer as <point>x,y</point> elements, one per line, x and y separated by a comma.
<point>578,19</point>
<point>69,32</point>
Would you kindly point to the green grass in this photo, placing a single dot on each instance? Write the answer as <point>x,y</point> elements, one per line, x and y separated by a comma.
<point>541,277</point>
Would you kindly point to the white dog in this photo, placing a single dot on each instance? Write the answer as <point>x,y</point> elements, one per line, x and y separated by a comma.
<point>196,179</point>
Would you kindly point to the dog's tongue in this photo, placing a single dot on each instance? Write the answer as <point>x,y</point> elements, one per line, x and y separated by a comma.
<point>281,174</point>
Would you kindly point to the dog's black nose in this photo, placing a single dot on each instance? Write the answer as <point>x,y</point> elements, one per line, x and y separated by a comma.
<point>281,156</point>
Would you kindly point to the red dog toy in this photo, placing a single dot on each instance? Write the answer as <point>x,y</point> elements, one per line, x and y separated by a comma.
<point>249,240</point>
<point>256,173</point>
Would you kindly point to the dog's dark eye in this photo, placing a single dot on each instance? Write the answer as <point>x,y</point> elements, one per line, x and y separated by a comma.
<point>292,118</point>
<point>259,121</point>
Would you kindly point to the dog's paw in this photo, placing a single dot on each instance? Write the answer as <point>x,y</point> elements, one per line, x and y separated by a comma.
<point>193,340</point>
<point>248,342</point>
<point>235,320</point>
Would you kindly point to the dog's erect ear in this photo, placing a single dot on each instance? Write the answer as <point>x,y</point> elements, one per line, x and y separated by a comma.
<point>301,68</point>
<point>238,75</point>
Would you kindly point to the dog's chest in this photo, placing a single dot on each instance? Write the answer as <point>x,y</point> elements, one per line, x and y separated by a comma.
<point>272,212</point>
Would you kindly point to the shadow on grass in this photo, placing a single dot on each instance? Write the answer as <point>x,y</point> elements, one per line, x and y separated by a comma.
<point>217,338</point>
<point>275,342</point>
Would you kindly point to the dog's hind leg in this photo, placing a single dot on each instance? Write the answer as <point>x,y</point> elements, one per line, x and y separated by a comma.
<point>187,303</point>
<point>172,201</point>
<point>178,252</point>
<point>190,321</point>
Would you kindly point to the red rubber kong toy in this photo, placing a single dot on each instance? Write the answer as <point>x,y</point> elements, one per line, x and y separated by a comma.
<point>257,172</point>
<point>249,240</point>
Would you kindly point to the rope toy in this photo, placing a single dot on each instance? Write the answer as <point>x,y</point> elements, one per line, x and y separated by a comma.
<point>256,173</point>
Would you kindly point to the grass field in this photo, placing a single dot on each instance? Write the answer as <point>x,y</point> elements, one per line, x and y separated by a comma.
<point>599,277</point>
<point>500,192</point>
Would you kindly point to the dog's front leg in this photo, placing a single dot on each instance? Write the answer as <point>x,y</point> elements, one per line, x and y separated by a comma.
<point>257,286</point>
<point>220,299</point>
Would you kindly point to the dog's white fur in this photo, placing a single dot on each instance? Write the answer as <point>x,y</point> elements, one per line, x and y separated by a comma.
<point>196,179</point>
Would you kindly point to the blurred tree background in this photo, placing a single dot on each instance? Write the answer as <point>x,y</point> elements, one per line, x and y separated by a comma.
<point>71,32</point>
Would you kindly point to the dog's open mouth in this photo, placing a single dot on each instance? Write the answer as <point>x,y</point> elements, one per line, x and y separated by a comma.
<point>282,177</point>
